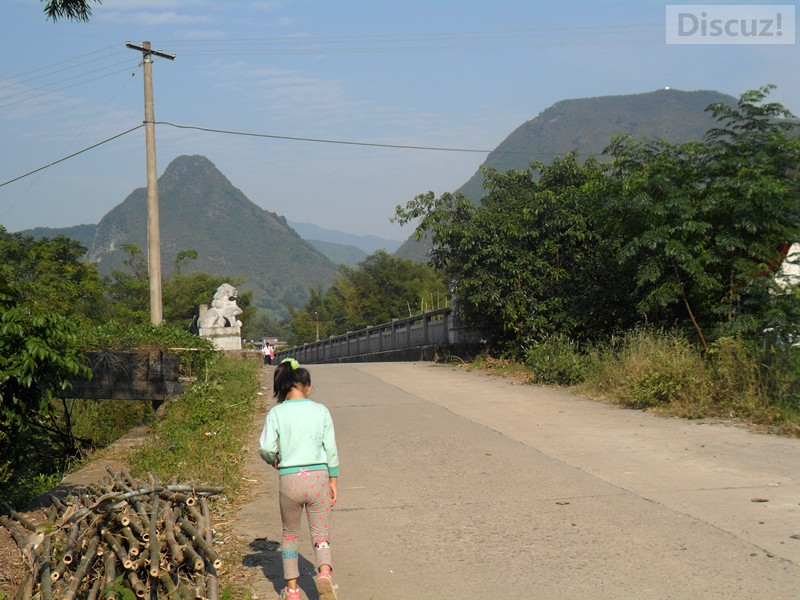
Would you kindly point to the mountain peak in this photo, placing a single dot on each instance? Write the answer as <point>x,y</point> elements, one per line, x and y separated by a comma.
<point>199,209</point>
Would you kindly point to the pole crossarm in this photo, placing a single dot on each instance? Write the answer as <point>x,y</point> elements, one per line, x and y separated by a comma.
<point>149,51</point>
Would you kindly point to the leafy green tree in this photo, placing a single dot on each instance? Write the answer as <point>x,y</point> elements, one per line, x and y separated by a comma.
<point>50,275</point>
<point>702,225</point>
<point>129,288</point>
<point>527,262</point>
<point>377,290</point>
<point>38,357</point>
<point>182,293</point>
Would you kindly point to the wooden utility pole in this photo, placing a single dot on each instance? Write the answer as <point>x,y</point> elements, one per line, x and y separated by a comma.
<point>153,233</point>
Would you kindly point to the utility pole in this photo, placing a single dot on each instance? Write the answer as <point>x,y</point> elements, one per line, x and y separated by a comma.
<point>153,233</point>
<point>316,317</point>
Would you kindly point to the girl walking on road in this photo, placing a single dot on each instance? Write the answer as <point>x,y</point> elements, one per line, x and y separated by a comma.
<point>298,440</point>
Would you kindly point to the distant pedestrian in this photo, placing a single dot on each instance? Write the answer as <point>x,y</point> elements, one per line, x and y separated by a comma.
<point>271,353</point>
<point>265,352</point>
<point>298,440</point>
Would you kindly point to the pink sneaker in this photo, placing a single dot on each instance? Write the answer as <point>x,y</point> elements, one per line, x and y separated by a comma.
<point>325,587</point>
<point>287,594</point>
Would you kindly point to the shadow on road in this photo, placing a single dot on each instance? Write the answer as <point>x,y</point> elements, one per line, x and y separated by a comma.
<point>266,554</point>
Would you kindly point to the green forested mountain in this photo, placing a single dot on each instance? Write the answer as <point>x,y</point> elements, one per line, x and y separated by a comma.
<point>201,210</point>
<point>588,125</point>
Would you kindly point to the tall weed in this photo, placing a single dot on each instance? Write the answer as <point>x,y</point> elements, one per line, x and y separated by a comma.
<point>654,369</point>
<point>649,369</point>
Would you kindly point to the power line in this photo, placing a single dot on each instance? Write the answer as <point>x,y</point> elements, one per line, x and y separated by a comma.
<point>71,78</point>
<point>294,139</point>
<point>73,155</point>
<point>24,74</point>
<point>352,143</point>
<point>319,140</point>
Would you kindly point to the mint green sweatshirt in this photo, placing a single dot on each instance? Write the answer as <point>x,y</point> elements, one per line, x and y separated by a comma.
<point>300,432</point>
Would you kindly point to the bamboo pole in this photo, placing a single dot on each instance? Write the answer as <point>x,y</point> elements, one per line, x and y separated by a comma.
<point>132,483</point>
<point>155,543</point>
<point>110,575</point>
<point>198,519</point>
<point>172,543</point>
<point>117,522</point>
<point>25,589</point>
<point>189,552</point>
<point>18,517</point>
<point>198,539</point>
<point>136,584</point>
<point>133,543</point>
<point>81,571</point>
<point>212,583</point>
<point>184,591</point>
<point>45,583</point>
<point>205,509</point>
<point>118,480</point>
<point>199,587</point>
<point>94,591</point>
<point>169,586</point>
<point>19,537</point>
<point>143,560</point>
<point>112,542</point>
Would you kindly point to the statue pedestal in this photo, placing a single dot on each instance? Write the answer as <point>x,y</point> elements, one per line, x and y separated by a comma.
<point>224,338</point>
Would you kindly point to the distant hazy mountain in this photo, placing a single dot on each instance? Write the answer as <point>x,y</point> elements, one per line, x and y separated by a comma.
<point>367,243</point>
<point>201,210</point>
<point>348,255</point>
<point>82,233</point>
<point>588,125</point>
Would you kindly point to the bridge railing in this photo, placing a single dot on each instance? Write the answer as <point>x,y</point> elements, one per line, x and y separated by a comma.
<point>429,329</point>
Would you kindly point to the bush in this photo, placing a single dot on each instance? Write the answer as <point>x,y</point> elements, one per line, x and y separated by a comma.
<point>556,361</point>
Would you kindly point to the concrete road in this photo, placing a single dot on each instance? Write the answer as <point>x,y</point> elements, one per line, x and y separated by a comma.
<point>458,485</point>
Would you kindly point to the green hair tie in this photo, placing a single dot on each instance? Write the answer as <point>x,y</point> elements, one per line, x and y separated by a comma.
<point>292,363</point>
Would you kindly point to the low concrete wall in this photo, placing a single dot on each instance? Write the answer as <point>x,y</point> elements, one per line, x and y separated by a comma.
<point>146,375</point>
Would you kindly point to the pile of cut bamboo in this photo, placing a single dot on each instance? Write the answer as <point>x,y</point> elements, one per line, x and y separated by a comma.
<point>126,536</point>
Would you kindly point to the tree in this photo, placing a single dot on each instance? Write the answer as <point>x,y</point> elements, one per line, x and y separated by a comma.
<point>686,235</point>
<point>377,290</point>
<point>527,262</point>
<point>702,226</point>
<point>74,10</point>
<point>38,357</point>
<point>129,290</point>
<point>50,275</point>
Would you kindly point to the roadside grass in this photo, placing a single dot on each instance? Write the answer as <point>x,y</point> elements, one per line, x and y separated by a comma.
<point>200,437</point>
<point>200,434</point>
<point>663,372</point>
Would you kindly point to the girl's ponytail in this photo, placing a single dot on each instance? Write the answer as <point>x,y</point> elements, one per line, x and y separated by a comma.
<point>287,375</point>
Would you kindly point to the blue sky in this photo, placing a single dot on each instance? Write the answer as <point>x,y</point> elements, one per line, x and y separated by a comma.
<point>437,73</point>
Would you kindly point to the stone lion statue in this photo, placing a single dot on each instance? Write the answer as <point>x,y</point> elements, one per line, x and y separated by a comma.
<point>223,311</point>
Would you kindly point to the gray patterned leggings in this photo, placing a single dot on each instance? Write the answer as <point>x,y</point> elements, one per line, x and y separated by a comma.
<point>305,490</point>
